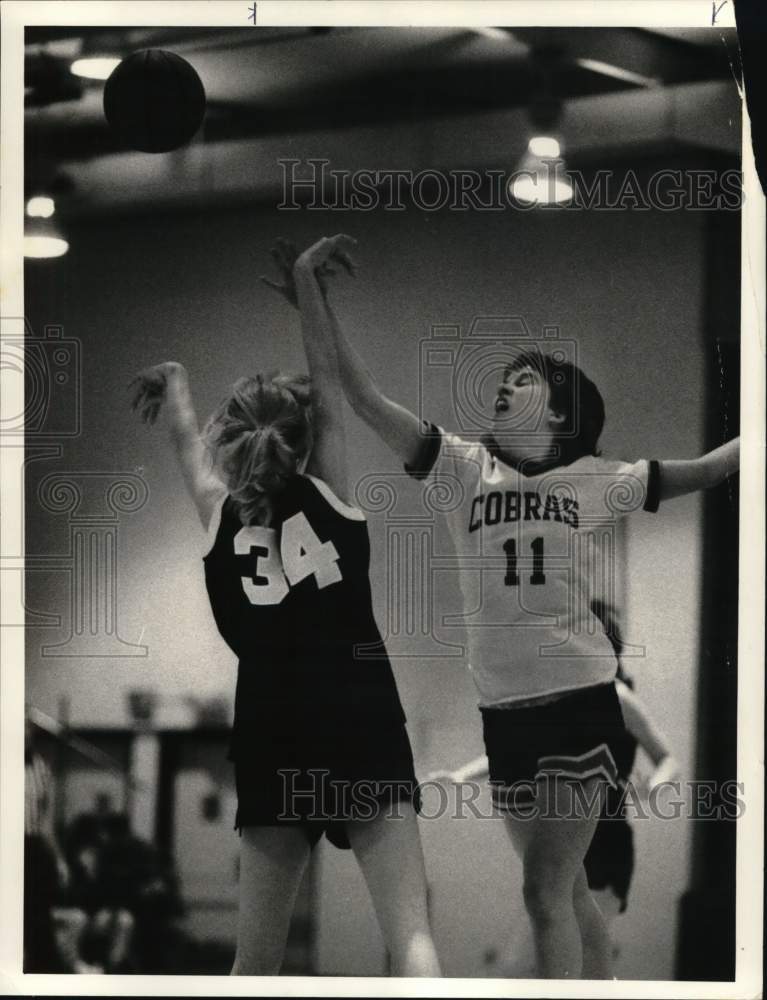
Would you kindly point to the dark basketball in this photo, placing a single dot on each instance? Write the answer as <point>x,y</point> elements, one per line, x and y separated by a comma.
<point>154,101</point>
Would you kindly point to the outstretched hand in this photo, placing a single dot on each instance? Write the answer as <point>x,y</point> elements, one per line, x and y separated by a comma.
<point>323,258</point>
<point>284,254</point>
<point>149,388</point>
<point>330,250</point>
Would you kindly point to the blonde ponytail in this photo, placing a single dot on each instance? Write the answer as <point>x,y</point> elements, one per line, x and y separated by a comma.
<point>258,437</point>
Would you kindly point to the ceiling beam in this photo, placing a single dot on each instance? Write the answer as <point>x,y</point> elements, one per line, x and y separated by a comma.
<point>702,115</point>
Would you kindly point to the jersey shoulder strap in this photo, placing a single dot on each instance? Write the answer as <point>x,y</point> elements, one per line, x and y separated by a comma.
<point>317,491</point>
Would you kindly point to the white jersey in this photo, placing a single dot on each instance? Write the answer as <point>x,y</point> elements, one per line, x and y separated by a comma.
<point>533,552</point>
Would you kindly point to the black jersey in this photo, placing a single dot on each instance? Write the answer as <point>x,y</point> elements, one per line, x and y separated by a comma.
<point>293,601</point>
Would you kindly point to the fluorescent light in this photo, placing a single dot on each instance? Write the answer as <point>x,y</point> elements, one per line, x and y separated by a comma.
<point>497,34</point>
<point>536,188</point>
<point>540,177</point>
<point>44,246</point>
<point>618,73</point>
<point>544,147</point>
<point>40,207</point>
<point>95,67</point>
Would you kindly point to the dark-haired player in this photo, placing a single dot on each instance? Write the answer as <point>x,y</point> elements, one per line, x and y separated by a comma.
<point>609,861</point>
<point>537,513</point>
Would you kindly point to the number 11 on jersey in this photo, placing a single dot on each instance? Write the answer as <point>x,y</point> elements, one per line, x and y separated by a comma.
<point>512,576</point>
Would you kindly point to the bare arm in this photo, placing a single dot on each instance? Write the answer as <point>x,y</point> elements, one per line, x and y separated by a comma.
<point>679,478</point>
<point>328,459</point>
<point>394,424</point>
<point>166,386</point>
<point>641,726</point>
<point>399,428</point>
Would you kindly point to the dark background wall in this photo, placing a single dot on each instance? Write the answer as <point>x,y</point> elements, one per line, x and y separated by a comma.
<point>628,287</point>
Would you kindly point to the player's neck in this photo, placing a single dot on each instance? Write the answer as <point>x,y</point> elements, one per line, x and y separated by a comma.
<point>533,454</point>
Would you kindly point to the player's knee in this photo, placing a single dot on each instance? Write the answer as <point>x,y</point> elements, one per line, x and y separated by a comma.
<point>124,920</point>
<point>581,889</point>
<point>546,893</point>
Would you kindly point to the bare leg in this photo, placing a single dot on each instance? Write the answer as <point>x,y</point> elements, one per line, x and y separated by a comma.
<point>389,853</point>
<point>610,907</point>
<point>272,863</point>
<point>121,938</point>
<point>552,847</point>
<point>116,928</point>
<point>517,960</point>
<point>595,939</point>
<point>69,925</point>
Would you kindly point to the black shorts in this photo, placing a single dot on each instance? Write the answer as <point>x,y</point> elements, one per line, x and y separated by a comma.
<point>319,776</point>
<point>574,736</point>
<point>609,861</point>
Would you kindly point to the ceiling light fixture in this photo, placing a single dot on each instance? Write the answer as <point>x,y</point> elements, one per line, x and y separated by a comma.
<point>497,34</point>
<point>40,247</point>
<point>544,147</point>
<point>40,207</point>
<point>94,67</point>
<point>540,178</point>
<point>42,239</point>
<point>618,73</point>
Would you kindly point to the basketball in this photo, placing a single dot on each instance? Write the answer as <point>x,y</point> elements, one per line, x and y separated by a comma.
<point>154,101</point>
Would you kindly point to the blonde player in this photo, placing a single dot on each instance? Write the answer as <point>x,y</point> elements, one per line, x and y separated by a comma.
<point>319,742</point>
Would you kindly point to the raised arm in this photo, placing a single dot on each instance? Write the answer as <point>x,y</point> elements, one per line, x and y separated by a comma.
<point>679,478</point>
<point>328,459</point>
<point>393,423</point>
<point>398,427</point>
<point>166,386</point>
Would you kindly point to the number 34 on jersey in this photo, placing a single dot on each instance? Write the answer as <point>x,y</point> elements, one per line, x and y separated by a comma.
<point>274,569</point>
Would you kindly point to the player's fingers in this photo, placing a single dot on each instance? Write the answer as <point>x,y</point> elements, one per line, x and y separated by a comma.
<point>279,259</point>
<point>291,253</point>
<point>276,285</point>
<point>138,392</point>
<point>287,249</point>
<point>318,252</point>
<point>341,241</point>
<point>346,262</point>
<point>282,253</point>
<point>142,380</point>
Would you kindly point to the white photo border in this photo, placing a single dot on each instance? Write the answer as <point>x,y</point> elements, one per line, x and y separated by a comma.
<point>16,15</point>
